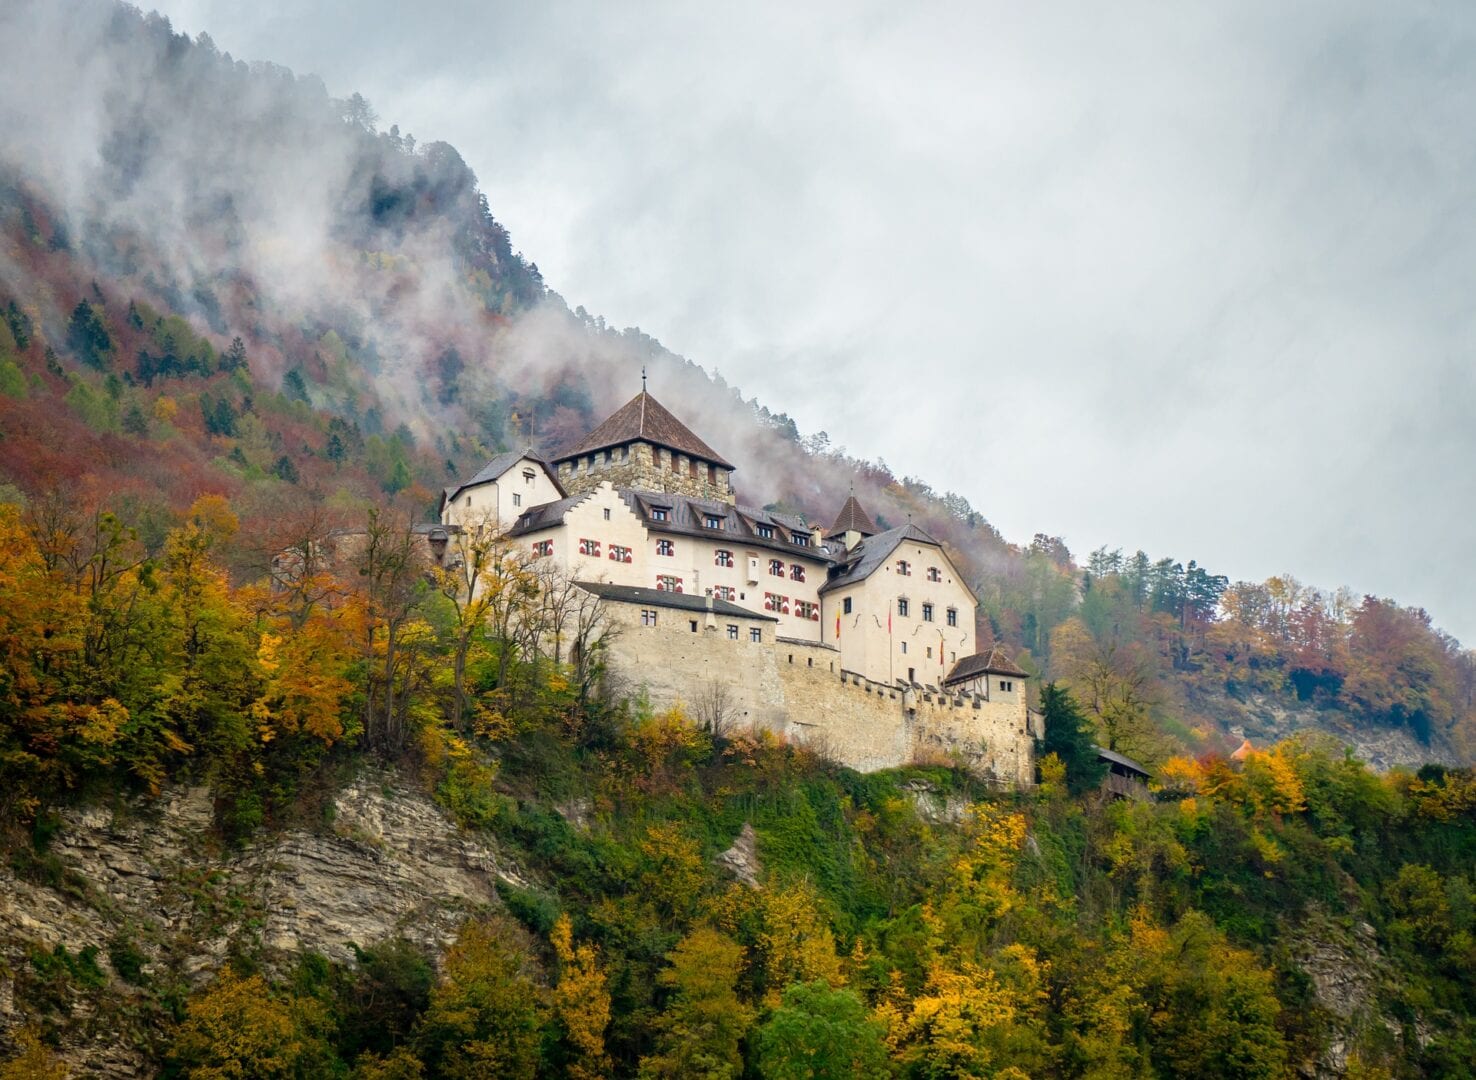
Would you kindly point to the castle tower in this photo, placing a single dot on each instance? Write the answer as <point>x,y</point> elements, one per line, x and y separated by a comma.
<point>852,524</point>
<point>642,445</point>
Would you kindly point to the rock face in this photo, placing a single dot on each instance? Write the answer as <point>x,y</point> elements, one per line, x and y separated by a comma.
<point>147,878</point>
<point>741,860</point>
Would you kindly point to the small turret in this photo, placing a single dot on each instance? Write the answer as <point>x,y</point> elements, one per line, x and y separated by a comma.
<point>852,524</point>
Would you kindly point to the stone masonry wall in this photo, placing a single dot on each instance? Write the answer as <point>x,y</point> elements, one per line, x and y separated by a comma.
<point>646,468</point>
<point>798,689</point>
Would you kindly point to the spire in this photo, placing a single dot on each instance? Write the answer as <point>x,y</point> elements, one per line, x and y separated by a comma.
<point>852,519</point>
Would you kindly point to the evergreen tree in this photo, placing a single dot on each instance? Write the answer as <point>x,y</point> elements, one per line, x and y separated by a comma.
<point>1068,735</point>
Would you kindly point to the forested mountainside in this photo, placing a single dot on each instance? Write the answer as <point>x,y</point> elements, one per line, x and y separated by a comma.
<point>356,825</point>
<point>218,279</point>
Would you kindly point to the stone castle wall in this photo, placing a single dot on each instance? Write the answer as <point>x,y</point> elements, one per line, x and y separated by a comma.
<point>798,689</point>
<point>647,468</point>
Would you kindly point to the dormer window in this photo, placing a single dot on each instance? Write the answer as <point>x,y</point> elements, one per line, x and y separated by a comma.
<point>660,513</point>
<point>712,521</point>
<point>766,532</point>
<point>800,539</point>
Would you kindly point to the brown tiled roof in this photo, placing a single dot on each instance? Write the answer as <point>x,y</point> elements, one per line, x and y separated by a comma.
<point>643,418</point>
<point>995,662</point>
<point>852,519</point>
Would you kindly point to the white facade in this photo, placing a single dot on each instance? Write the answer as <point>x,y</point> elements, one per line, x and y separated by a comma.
<point>495,497</point>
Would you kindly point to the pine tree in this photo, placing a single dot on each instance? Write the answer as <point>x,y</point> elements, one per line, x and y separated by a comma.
<point>1068,735</point>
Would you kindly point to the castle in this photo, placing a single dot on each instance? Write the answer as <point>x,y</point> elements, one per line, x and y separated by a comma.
<point>855,640</point>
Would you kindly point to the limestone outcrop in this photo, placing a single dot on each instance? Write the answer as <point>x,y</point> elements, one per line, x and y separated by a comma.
<point>147,880</point>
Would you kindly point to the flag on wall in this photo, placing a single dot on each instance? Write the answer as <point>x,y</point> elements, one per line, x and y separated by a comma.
<point>837,626</point>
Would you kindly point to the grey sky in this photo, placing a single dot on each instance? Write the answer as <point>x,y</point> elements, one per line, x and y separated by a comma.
<point>1178,277</point>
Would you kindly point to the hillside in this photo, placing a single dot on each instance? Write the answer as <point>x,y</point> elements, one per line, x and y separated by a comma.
<point>340,822</point>
<point>183,318</point>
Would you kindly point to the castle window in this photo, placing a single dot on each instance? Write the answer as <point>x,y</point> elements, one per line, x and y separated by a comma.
<point>776,568</point>
<point>796,572</point>
<point>902,606</point>
<point>755,633</point>
<point>904,568</point>
<point>711,521</point>
<point>1005,684</point>
<point>517,499</point>
<point>722,592</point>
<point>904,648</point>
<point>468,500</point>
<point>912,675</point>
<point>665,547</point>
<point>712,474</point>
<point>607,513</point>
<point>668,583</point>
<point>528,475</point>
<point>800,539</point>
<point>806,610</point>
<point>732,631</point>
<point>766,532</point>
<point>934,574</point>
<point>693,624</point>
<point>927,613</point>
<point>659,513</point>
<point>542,548</point>
<point>930,648</point>
<point>723,558</point>
<point>953,616</point>
<point>620,554</point>
<point>953,657</point>
<point>846,606</point>
<point>589,547</point>
<point>648,617</point>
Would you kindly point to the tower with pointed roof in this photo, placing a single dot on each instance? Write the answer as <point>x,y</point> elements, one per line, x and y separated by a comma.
<point>643,446</point>
<point>852,524</point>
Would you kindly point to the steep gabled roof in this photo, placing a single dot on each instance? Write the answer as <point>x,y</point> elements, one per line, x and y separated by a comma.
<point>870,555</point>
<point>644,419</point>
<point>495,468</point>
<point>994,662</point>
<point>852,519</point>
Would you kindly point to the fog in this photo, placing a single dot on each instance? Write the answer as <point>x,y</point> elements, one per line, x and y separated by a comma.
<point>1185,279</point>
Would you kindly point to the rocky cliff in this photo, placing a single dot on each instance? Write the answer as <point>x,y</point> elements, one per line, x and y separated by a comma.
<point>131,907</point>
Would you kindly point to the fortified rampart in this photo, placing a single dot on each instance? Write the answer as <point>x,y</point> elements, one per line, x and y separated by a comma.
<point>712,666</point>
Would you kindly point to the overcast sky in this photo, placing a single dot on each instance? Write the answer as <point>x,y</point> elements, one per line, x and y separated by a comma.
<point>1169,276</point>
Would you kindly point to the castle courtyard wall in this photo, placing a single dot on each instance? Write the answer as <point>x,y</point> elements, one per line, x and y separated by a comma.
<point>799,689</point>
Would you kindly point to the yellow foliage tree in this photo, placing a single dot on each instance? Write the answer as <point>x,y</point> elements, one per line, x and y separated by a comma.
<point>795,943</point>
<point>582,1004</point>
<point>238,1031</point>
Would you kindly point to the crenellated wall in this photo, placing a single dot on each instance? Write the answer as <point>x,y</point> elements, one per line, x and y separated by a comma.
<point>799,689</point>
